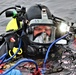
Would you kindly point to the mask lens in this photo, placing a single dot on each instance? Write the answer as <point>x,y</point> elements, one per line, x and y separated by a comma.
<point>42,34</point>
<point>42,29</point>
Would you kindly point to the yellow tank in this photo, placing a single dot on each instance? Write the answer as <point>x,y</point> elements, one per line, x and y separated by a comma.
<point>12,25</point>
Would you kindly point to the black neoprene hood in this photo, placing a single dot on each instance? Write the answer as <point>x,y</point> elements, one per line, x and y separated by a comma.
<point>34,12</point>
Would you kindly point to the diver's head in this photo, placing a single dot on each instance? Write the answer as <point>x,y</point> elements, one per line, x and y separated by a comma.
<point>41,27</point>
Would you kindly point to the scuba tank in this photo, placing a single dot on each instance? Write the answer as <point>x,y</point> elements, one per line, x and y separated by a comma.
<point>14,24</point>
<point>17,17</point>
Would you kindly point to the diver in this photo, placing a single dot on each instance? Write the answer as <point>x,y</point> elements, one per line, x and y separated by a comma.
<point>41,28</point>
<point>41,31</point>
